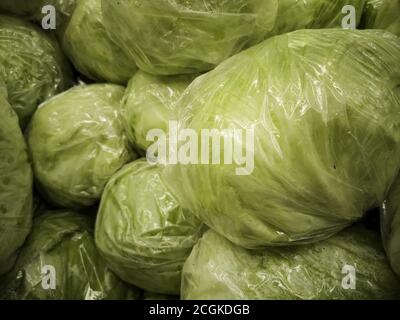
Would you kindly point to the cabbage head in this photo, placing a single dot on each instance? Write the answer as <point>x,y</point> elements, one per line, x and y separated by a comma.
<point>142,231</point>
<point>15,184</point>
<point>32,66</point>
<point>179,36</point>
<point>77,143</point>
<point>382,14</point>
<point>93,53</point>
<point>59,261</point>
<point>150,103</point>
<point>318,113</point>
<point>390,226</point>
<point>350,265</point>
<point>313,14</point>
<point>32,10</point>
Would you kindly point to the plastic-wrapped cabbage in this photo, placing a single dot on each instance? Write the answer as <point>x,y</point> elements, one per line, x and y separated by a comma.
<point>32,10</point>
<point>313,14</point>
<point>382,14</point>
<point>142,231</point>
<point>390,226</point>
<point>15,185</point>
<point>350,265</point>
<point>31,64</point>
<point>77,143</point>
<point>309,122</point>
<point>150,103</point>
<point>179,36</point>
<point>91,50</point>
<point>60,261</point>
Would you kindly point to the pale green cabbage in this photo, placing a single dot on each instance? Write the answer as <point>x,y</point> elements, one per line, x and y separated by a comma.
<point>15,184</point>
<point>32,66</point>
<point>143,232</point>
<point>92,51</point>
<point>324,107</point>
<point>64,241</point>
<point>77,143</point>
<point>150,103</point>
<point>350,265</point>
<point>177,36</point>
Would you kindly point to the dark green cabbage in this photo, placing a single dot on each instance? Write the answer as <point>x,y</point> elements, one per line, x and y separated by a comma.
<point>92,51</point>
<point>15,184</point>
<point>143,232</point>
<point>32,66</point>
<point>63,240</point>
<point>77,143</point>
<point>218,269</point>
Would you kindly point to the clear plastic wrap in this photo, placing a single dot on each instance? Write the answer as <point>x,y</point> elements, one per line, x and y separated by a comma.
<point>59,261</point>
<point>32,66</point>
<point>15,184</point>
<point>167,37</point>
<point>390,226</point>
<point>323,106</point>
<point>77,143</point>
<point>350,265</point>
<point>142,231</point>
<point>93,53</point>
<point>150,103</point>
<point>382,14</point>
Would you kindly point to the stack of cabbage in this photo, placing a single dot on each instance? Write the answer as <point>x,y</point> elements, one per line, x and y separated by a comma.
<point>309,112</point>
